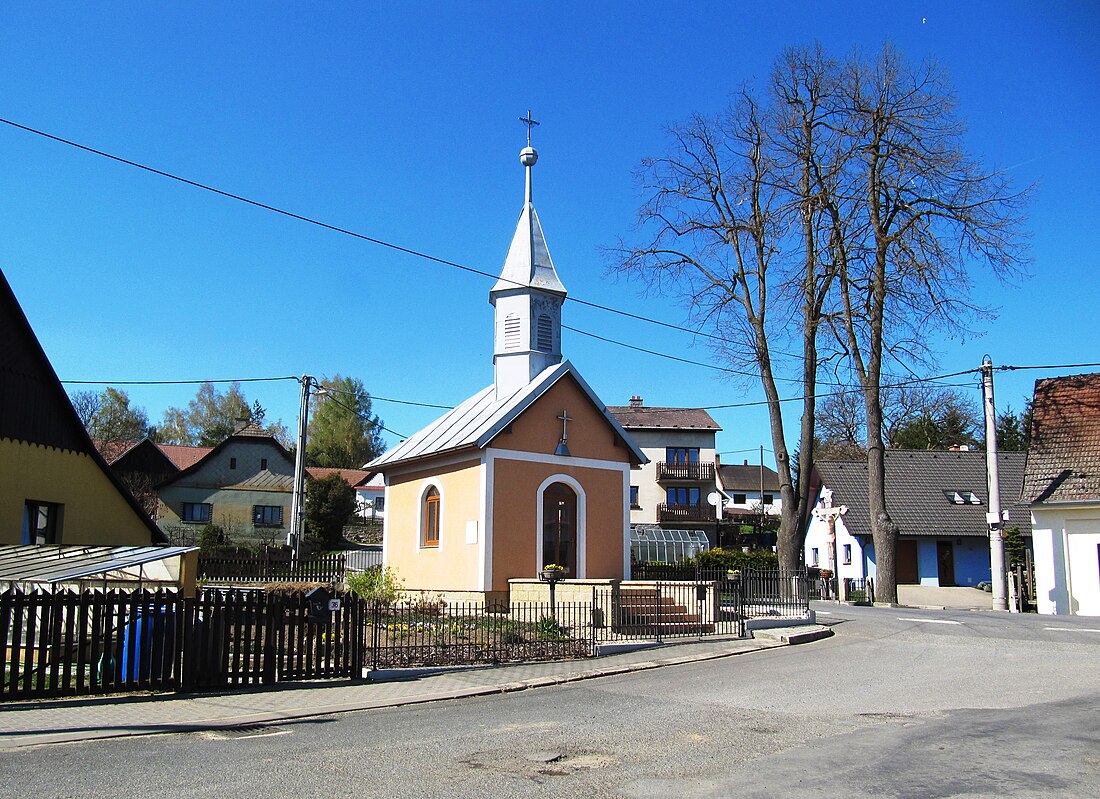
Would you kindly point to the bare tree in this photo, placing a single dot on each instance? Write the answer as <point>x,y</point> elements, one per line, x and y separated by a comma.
<point>734,227</point>
<point>909,220</point>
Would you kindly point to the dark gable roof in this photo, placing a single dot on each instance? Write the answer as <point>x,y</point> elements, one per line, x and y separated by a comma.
<point>747,477</point>
<point>33,404</point>
<point>915,486</point>
<point>246,435</point>
<point>663,418</point>
<point>1063,463</point>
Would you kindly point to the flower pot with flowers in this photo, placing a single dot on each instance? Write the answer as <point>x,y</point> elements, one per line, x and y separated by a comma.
<point>552,572</point>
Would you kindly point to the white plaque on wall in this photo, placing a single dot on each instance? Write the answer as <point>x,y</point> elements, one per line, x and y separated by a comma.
<point>471,532</point>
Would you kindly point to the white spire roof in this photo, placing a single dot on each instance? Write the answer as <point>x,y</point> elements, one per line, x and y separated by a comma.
<point>528,263</point>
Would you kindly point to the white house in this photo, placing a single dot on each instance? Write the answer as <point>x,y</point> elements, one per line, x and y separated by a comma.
<point>1063,486</point>
<point>672,489</point>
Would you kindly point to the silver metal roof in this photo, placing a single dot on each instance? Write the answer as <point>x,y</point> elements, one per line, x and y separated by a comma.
<point>50,564</point>
<point>477,421</point>
<point>528,263</point>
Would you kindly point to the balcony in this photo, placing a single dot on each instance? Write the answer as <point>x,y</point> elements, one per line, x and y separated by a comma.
<point>685,471</point>
<point>685,513</point>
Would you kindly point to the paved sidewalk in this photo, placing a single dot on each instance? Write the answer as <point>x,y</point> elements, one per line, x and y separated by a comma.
<point>64,720</point>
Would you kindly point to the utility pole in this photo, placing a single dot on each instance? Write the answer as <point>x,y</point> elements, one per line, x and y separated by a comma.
<point>994,518</point>
<point>298,500</point>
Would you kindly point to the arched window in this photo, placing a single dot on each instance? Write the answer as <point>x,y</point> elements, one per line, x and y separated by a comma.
<point>545,334</point>
<point>429,515</point>
<point>559,527</point>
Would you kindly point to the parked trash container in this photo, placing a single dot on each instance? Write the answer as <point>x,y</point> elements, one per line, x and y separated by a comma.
<point>149,644</point>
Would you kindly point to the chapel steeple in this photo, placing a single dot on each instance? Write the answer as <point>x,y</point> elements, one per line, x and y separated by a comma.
<point>527,297</point>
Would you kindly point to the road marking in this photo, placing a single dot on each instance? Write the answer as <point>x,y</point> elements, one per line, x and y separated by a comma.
<point>824,612</point>
<point>931,621</point>
<point>1069,629</point>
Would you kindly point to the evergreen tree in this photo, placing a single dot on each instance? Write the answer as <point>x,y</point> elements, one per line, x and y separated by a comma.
<point>342,431</point>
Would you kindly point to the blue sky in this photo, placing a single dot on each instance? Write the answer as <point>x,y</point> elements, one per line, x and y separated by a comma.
<point>399,121</point>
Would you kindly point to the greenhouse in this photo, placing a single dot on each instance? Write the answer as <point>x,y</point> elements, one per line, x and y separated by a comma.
<point>657,545</point>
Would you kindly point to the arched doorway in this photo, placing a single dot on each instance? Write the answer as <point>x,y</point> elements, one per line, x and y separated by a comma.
<point>559,527</point>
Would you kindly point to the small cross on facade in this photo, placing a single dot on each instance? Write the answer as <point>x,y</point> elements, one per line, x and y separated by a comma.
<point>565,420</point>
<point>530,123</point>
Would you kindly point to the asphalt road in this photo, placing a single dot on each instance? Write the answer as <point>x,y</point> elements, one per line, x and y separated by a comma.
<point>899,703</point>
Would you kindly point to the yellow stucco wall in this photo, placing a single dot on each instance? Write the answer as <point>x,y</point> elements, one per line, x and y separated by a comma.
<point>94,511</point>
<point>515,519</point>
<point>453,565</point>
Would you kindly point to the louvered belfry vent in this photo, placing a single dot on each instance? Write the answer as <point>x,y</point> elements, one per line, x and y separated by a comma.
<point>512,333</point>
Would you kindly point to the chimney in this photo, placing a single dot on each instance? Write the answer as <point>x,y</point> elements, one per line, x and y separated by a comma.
<point>635,401</point>
<point>746,463</point>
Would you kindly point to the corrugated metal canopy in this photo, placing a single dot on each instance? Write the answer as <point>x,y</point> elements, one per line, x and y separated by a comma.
<point>49,564</point>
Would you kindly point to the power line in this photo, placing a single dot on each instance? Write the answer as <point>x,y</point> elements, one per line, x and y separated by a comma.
<point>1055,366</point>
<point>175,382</point>
<point>361,236</point>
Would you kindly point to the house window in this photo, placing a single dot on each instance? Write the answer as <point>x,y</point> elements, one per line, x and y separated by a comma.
<point>545,334</point>
<point>197,512</point>
<point>41,522</point>
<point>511,332</point>
<point>634,497</point>
<point>768,499</point>
<point>232,463</point>
<point>267,515</point>
<point>263,463</point>
<point>379,503</point>
<point>681,456</point>
<point>430,518</point>
<point>847,554</point>
<point>683,496</point>
<point>740,499</point>
<point>814,556</point>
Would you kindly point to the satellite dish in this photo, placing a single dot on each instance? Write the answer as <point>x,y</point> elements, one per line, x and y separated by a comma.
<point>715,499</point>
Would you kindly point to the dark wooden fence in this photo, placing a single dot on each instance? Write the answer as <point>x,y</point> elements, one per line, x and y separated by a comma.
<point>87,643</point>
<point>271,566</point>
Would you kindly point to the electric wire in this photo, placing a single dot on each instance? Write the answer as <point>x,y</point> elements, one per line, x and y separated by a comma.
<point>354,234</point>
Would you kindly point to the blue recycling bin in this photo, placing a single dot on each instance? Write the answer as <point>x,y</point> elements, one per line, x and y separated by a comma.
<point>149,644</point>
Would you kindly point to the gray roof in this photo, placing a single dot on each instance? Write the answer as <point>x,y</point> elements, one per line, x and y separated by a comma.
<point>528,263</point>
<point>747,477</point>
<point>643,418</point>
<point>50,564</point>
<point>267,480</point>
<point>916,482</point>
<point>475,422</point>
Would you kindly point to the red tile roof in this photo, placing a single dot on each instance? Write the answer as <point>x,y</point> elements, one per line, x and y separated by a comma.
<point>1063,460</point>
<point>351,476</point>
<point>182,456</point>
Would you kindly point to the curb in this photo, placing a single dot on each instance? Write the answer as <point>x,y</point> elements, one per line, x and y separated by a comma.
<point>795,635</point>
<point>772,639</point>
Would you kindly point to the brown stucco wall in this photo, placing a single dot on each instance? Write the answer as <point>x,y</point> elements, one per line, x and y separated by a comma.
<point>515,518</point>
<point>538,428</point>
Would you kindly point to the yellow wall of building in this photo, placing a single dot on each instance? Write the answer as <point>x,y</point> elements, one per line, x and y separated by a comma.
<point>454,564</point>
<point>94,511</point>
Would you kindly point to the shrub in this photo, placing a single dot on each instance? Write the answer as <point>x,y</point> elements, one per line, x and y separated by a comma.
<point>735,560</point>
<point>380,584</point>
<point>548,629</point>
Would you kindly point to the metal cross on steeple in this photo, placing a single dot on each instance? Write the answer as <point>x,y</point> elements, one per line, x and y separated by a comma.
<point>530,123</point>
<point>563,444</point>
